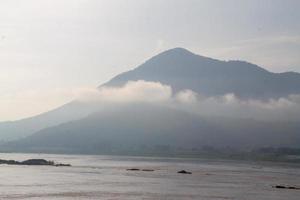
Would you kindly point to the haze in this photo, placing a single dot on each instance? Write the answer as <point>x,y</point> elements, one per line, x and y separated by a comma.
<point>52,49</point>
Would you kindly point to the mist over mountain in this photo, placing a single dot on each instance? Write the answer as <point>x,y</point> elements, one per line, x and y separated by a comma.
<point>182,69</point>
<point>176,99</point>
<point>143,127</point>
<point>21,128</point>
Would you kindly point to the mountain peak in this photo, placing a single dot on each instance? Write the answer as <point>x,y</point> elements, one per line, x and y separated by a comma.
<point>174,57</point>
<point>182,69</point>
<point>179,55</point>
<point>178,50</point>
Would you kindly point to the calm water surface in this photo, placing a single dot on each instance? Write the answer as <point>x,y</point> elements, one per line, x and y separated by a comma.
<point>105,177</point>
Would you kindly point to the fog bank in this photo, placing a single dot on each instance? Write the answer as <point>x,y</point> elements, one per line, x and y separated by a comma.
<point>229,105</point>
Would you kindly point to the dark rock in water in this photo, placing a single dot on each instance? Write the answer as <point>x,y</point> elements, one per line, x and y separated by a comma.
<point>62,165</point>
<point>286,187</point>
<point>148,170</point>
<point>144,170</point>
<point>184,172</point>
<point>32,162</point>
<point>9,162</point>
<point>133,169</point>
<point>37,162</point>
<point>279,186</point>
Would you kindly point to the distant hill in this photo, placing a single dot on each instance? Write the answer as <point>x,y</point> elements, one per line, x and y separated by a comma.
<point>21,128</point>
<point>144,128</point>
<point>180,69</point>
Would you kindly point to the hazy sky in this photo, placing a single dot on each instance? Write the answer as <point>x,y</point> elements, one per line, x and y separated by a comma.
<point>49,49</point>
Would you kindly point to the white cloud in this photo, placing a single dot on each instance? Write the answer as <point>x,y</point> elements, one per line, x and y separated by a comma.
<point>160,45</point>
<point>227,105</point>
<point>32,102</point>
<point>186,96</point>
<point>133,91</point>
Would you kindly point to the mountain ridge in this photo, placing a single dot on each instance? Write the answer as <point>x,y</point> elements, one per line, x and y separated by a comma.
<point>178,68</point>
<point>140,127</point>
<point>182,69</point>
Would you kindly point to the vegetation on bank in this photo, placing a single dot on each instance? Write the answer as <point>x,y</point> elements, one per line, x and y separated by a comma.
<point>32,162</point>
<point>270,154</point>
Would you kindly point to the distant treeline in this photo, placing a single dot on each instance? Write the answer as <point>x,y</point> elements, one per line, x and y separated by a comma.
<point>273,154</point>
<point>279,151</point>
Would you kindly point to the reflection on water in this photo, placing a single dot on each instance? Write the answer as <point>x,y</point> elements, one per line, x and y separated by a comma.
<point>106,177</point>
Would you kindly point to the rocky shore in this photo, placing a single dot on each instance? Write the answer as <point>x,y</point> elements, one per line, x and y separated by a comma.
<point>32,162</point>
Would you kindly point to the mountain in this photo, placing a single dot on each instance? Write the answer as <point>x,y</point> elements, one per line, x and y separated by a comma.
<point>180,69</point>
<point>21,128</point>
<point>148,128</point>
